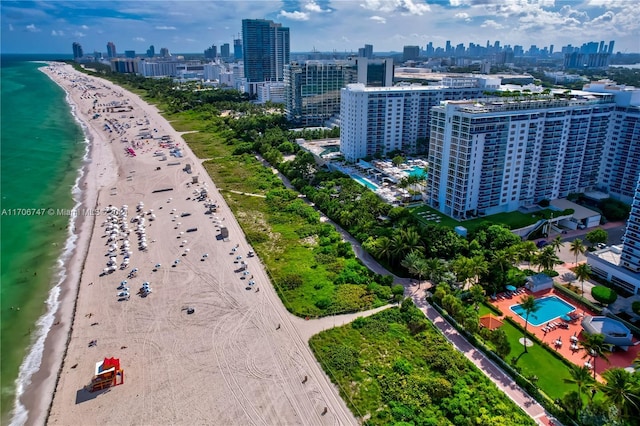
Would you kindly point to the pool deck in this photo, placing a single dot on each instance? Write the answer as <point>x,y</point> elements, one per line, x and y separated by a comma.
<point>619,358</point>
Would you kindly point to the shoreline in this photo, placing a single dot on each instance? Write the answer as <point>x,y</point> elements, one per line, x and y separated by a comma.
<point>57,324</point>
<point>251,370</point>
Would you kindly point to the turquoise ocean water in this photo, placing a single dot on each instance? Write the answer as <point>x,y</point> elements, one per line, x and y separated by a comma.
<point>42,149</point>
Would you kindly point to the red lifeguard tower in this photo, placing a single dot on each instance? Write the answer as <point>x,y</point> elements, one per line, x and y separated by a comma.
<point>106,374</point>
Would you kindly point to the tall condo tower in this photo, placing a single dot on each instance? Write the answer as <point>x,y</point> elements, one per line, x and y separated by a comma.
<point>111,50</point>
<point>265,46</point>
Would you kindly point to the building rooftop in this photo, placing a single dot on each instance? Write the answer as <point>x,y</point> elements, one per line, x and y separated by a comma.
<point>489,105</point>
<point>580,212</point>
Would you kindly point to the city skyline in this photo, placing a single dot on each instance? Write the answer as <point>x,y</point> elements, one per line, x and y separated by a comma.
<point>343,26</point>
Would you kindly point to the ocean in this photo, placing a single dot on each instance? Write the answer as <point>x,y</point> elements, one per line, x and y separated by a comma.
<point>42,150</point>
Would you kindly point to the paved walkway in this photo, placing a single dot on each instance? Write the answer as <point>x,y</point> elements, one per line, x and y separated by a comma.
<point>417,293</point>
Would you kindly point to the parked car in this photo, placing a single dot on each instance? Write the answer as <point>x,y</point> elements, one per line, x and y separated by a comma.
<point>542,243</point>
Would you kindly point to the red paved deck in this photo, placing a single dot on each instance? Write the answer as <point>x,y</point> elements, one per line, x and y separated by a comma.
<point>618,358</point>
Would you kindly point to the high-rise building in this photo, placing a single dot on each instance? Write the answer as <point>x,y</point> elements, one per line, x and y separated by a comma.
<point>77,50</point>
<point>164,52</point>
<point>151,51</point>
<point>313,89</point>
<point>621,265</point>
<point>493,156</point>
<point>265,50</point>
<point>225,51</point>
<point>111,50</point>
<point>630,257</point>
<point>410,53</point>
<point>211,52</point>
<point>620,164</point>
<point>130,54</point>
<point>237,49</point>
<point>379,120</point>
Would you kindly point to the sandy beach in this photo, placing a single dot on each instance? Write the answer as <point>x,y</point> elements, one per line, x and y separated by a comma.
<point>239,358</point>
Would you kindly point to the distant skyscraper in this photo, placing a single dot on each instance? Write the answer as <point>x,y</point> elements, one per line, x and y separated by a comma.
<point>111,50</point>
<point>224,51</point>
<point>368,51</point>
<point>151,51</point>
<point>164,52</point>
<point>410,53</point>
<point>237,49</point>
<point>211,52</point>
<point>77,50</point>
<point>611,44</point>
<point>265,50</point>
<point>130,54</point>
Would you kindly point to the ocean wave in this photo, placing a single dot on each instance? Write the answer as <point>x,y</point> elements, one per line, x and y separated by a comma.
<point>32,362</point>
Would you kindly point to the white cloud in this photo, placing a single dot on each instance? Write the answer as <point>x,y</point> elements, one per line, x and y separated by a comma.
<point>165,27</point>
<point>55,33</point>
<point>79,34</point>
<point>379,19</point>
<point>139,39</point>
<point>490,23</point>
<point>463,16</point>
<point>32,28</point>
<point>84,27</point>
<point>10,27</point>
<point>312,6</point>
<point>405,7</point>
<point>605,17</point>
<point>294,16</point>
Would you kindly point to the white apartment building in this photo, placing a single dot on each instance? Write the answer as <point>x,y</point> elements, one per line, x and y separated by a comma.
<point>271,91</point>
<point>379,120</point>
<point>158,68</point>
<point>495,155</point>
<point>621,265</point>
<point>620,163</point>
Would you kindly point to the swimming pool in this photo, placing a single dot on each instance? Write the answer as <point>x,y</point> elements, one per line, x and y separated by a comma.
<point>365,182</point>
<point>551,307</point>
<point>418,172</point>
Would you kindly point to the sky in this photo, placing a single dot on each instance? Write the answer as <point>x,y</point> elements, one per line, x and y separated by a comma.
<point>324,25</point>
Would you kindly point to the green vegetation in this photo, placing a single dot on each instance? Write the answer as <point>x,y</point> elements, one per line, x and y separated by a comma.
<point>614,210</point>
<point>635,307</point>
<point>597,236</point>
<point>395,368</point>
<point>604,295</point>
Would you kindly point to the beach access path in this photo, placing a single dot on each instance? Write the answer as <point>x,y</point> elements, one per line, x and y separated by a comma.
<point>240,358</point>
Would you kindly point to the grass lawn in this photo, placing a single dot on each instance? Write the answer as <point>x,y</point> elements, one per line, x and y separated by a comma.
<point>395,367</point>
<point>538,362</point>
<point>514,220</point>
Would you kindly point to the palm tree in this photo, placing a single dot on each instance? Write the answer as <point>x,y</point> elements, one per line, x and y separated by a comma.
<point>477,295</point>
<point>435,269</point>
<point>620,390</point>
<point>557,243</point>
<point>530,305</point>
<point>414,262</point>
<point>583,273</point>
<point>580,376</point>
<point>547,258</point>
<point>594,346</point>
<point>478,267</point>
<point>577,248</point>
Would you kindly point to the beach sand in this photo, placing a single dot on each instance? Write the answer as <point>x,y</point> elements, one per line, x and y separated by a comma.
<point>240,358</point>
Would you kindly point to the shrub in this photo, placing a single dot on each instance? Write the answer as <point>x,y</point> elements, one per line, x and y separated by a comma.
<point>635,307</point>
<point>603,294</point>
